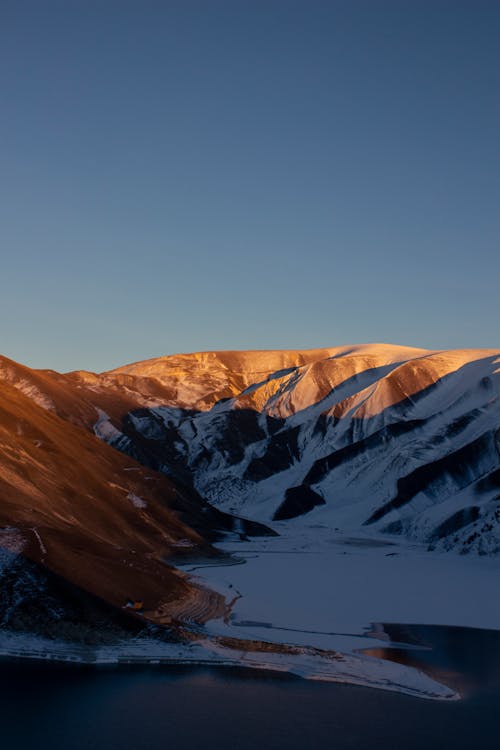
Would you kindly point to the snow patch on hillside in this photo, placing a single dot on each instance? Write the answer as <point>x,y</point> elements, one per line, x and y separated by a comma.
<point>137,502</point>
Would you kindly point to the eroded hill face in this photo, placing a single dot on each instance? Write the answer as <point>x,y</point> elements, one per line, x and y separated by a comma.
<point>400,440</point>
<point>88,514</point>
<point>85,511</point>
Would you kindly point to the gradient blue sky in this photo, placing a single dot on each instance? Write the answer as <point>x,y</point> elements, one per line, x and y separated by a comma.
<point>178,176</point>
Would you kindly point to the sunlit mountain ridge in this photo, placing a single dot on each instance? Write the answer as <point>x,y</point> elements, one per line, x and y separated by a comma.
<point>398,439</point>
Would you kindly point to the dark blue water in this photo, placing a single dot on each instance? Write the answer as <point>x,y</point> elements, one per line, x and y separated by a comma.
<point>70,707</point>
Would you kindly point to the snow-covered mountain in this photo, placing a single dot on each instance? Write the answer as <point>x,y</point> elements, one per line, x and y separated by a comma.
<point>385,438</point>
<point>378,438</point>
<point>321,455</point>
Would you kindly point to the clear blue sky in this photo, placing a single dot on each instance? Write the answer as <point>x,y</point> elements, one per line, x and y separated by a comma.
<point>187,175</point>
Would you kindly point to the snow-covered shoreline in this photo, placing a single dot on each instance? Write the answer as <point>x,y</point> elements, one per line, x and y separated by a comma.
<point>352,669</point>
<point>304,604</point>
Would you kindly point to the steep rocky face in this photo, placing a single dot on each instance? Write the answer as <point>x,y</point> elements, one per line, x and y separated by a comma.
<point>388,438</point>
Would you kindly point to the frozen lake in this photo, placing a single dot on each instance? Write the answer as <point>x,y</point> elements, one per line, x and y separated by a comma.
<point>316,589</point>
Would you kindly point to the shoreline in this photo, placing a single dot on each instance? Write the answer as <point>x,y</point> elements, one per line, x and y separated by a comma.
<point>306,581</point>
<point>354,669</point>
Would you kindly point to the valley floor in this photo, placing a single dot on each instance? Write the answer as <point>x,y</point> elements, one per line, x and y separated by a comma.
<point>321,605</point>
<point>317,589</point>
<point>313,579</point>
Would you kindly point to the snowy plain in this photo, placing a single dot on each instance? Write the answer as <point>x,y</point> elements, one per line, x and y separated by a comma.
<point>312,587</point>
<point>313,578</point>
